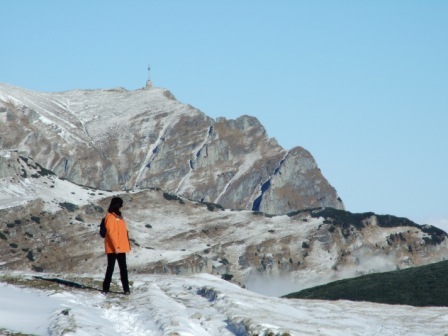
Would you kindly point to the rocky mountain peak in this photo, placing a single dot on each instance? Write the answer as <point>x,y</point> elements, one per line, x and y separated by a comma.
<point>124,140</point>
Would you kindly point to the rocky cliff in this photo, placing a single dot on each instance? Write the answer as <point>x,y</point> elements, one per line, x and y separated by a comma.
<point>129,140</point>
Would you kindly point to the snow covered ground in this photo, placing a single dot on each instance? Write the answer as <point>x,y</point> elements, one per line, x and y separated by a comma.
<point>200,305</point>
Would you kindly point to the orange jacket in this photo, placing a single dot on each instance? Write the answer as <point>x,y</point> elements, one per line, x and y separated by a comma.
<point>117,237</point>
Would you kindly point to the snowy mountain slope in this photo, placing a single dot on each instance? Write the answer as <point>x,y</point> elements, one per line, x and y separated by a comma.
<point>22,180</point>
<point>200,305</point>
<point>51,225</point>
<point>125,140</point>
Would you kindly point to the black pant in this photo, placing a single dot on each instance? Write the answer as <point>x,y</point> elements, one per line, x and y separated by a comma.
<point>121,258</point>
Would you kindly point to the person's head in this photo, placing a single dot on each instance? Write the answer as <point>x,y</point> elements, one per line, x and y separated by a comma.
<point>116,204</point>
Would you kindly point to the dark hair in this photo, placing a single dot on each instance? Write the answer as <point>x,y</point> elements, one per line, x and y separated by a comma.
<point>115,204</point>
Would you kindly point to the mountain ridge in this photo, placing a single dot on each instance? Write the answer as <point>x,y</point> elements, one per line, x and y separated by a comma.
<point>125,140</point>
<point>203,195</point>
<point>46,219</point>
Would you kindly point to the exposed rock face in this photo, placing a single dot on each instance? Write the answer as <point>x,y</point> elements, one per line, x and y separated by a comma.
<point>123,140</point>
<point>297,183</point>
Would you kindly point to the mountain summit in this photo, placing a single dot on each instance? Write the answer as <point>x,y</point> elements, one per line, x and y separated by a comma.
<point>128,140</point>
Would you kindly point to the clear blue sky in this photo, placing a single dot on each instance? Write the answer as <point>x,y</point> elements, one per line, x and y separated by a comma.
<point>362,85</point>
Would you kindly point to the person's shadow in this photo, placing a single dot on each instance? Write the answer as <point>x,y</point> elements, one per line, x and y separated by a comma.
<point>72,284</point>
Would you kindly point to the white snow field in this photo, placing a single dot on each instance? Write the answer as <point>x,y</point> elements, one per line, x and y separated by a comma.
<point>200,305</point>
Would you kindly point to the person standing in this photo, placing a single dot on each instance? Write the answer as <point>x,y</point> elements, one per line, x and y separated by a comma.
<point>116,245</point>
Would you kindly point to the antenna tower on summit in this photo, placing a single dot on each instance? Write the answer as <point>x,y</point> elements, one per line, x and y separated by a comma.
<point>148,81</point>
